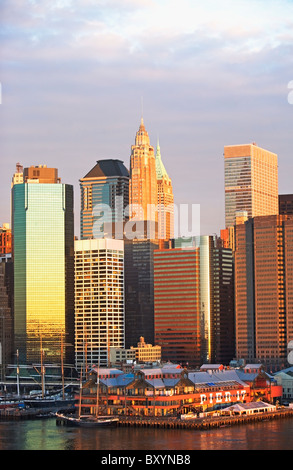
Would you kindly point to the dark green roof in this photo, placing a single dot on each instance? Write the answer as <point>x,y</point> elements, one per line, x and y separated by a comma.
<point>107,168</point>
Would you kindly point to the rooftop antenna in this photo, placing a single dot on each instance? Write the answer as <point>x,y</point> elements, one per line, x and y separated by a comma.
<point>142,109</point>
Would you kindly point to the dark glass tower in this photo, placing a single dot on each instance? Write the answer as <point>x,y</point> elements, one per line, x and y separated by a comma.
<point>104,197</point>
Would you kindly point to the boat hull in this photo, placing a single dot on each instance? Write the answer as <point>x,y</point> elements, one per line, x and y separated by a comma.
<point>88,422</point>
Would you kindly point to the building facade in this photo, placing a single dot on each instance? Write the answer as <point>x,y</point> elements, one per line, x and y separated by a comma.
<point>99,300</point>
<point>212,272</point>
<point>173,391</point>
<point>104,198</point>
<point>177,305</point>
<point>139,290</point>
<point>43,255</point>
<point>263,286</point>
<point>143,178</point>
<point>6,316</point>
<point>251,181</point>
<point>5,239</point>
<point>141,353</point>
<point>286,204</point>
<point>165,200</point>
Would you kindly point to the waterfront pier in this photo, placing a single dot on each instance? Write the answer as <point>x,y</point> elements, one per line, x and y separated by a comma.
<point>202,423</point>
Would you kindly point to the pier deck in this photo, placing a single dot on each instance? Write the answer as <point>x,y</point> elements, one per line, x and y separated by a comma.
<point>202,423</point>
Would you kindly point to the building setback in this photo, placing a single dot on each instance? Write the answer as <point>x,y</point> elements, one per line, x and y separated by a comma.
<point>99,300</point>
<point>43,254</point>
<point>263,290</point>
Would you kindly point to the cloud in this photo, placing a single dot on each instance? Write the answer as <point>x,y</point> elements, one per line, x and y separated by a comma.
<point>211,73</point>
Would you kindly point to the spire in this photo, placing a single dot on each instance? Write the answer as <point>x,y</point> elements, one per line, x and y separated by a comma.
<point>142,137</point>
<point>160,168</point>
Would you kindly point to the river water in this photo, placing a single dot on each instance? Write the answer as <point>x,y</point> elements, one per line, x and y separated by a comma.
<point>45,435</point>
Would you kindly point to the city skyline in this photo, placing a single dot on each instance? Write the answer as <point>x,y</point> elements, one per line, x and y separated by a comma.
<point>73,77</point>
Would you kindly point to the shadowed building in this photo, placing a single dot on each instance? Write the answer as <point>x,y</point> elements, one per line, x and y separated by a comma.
<point>286,204</point>
<point>104,197</point>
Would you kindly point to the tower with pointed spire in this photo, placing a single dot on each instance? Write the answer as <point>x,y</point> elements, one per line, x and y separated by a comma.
<point>143,179</point>
<point>165,199</point>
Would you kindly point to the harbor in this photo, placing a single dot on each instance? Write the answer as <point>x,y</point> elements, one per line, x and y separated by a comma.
<point>198,423</point>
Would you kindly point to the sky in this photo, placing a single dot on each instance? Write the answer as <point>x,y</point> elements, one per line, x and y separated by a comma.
<point>77,76</point>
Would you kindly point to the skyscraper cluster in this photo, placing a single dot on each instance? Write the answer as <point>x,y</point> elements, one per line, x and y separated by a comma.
<point>203,299</point>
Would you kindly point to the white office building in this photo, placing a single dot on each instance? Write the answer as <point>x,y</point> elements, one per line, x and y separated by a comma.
<point>99,300</point>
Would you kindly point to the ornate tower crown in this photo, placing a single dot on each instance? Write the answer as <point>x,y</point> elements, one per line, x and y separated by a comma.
<point>142,137</point>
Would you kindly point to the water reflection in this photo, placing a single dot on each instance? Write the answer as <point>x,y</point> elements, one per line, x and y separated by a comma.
<point>45,435</point>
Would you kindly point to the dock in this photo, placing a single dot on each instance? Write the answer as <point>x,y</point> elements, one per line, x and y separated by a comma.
<point>201,423</point>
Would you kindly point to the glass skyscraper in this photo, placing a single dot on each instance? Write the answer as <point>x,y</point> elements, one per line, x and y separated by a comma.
<point>104,197</point>
<point>43,252</point>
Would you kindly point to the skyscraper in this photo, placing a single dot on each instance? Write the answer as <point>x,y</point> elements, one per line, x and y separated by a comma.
<point>104,197</point>
<point>263,287</point>
<point>99,300</point>
<point>143,178</point>
<point>165,200</point>
<point>251,181</point>
<point>6,317</point>
<point>177,305</point>
<point>215,278</point>
<point>139,290</point>
<point>43,252</point>
<point>139,249</point>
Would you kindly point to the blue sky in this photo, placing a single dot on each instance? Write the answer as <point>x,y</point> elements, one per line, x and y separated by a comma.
<point>73,74</point>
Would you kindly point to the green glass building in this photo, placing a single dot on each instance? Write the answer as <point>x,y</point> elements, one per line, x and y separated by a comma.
<point>43,252</point>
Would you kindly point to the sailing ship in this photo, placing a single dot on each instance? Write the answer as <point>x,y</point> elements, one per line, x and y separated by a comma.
<point>88,421</point>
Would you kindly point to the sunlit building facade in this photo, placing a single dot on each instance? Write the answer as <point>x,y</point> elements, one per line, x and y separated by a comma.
<point>263,290</point>
<point>177,305</point>
<point>199,290</point>
<point>143,178</point>
<point>99,300</point>
<point>165,200</point>
<point>251,181</point>
<point>5,239</point>
<point>43,253</point>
